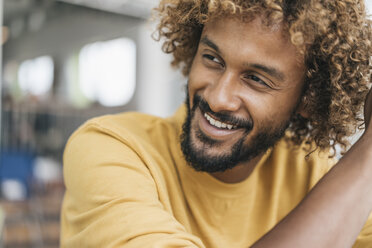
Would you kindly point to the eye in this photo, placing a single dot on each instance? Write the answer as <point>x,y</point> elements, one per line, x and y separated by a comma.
<point>212,59</point>
<point>257,79</point>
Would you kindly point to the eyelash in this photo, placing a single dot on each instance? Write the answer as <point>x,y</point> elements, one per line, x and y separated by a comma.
<point>212,58</point>
<point>250,76</point>
<point>257,79</point>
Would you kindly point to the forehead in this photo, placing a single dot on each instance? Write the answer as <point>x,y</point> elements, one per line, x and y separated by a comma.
<point>234,29</point>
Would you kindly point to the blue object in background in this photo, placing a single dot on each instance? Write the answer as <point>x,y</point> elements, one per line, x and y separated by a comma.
<point>18,166</point>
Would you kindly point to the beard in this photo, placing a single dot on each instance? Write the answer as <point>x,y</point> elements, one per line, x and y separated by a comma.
<point>199,157</point>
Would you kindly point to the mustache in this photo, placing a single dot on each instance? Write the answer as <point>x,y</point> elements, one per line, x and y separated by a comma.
<point>222,116</point>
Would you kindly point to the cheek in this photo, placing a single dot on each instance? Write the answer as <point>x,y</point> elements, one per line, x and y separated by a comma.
<point>192,82</point>
<point>194,77</point>
<point>199,81</point>
<point>269,108</point>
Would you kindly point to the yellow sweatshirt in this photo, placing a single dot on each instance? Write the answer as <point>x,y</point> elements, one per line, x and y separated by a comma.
<point>127,185</point>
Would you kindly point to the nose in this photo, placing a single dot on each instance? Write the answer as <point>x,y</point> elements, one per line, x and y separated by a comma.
<point>223,94</point>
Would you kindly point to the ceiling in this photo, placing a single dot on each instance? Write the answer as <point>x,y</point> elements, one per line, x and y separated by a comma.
<point>135,8</point>
<point>13,8</point>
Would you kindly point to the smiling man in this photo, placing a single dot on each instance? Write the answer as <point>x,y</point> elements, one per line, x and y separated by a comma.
<point>273,87</point>
<point>241,105</point>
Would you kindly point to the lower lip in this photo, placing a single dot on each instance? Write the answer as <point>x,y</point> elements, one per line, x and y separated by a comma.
<point>213,131</point>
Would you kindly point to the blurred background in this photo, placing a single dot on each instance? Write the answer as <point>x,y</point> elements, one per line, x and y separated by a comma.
<point>63,62</point>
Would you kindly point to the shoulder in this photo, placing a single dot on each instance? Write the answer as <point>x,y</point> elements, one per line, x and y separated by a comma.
<point>139,141</point>
<point>112,145</point>
<point>103,141</point>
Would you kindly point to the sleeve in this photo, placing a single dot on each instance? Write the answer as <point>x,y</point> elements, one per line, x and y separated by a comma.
<point>364,239</point>
<point>111,198</point>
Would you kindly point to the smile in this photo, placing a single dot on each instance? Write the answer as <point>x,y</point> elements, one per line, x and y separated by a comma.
<point>218,124</point>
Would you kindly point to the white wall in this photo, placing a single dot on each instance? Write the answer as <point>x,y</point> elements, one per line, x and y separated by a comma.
<point>161,88</point>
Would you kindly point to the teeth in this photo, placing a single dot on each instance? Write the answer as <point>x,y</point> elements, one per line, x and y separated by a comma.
<point>217,123</point>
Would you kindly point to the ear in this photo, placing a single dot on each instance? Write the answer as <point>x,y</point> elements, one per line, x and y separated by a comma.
<point>302,110</point>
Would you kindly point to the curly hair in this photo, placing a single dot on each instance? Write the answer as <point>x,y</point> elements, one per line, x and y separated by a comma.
<point>334,37</point>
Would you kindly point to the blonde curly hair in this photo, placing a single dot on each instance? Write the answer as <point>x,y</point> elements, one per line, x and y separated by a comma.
<point>334,36</point>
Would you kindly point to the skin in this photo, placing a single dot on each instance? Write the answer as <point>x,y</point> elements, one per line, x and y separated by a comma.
<point>263,84</point>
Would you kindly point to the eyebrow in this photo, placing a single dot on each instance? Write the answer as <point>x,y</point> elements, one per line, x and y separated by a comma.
<point>206,41</point>
<point>267,69</point>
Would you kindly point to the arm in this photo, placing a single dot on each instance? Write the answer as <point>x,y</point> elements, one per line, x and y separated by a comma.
<point>334,212</point>
<point>112,199</point>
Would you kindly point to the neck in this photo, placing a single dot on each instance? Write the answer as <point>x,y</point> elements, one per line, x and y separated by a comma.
<point>239,172</point>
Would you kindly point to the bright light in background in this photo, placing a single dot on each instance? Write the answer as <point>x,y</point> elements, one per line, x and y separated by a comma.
<point>107,71</point>
<point>35,76</point>
<point>369,6</point>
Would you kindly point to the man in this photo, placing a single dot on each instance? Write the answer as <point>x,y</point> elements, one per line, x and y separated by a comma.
<point>273,87</point>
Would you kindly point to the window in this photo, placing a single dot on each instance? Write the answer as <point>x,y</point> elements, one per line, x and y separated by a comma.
<point>36,76</point>
<point>107,71</point>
